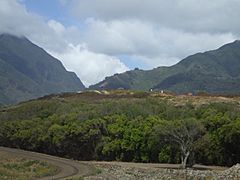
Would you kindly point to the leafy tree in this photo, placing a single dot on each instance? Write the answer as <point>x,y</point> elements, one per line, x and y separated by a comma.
<point>229,139</point>
<point>183,133</point>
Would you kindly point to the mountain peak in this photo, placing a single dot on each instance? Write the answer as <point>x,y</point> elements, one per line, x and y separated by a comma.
<point>27,71</point>
<point>232,45</point>
<point>237,41</point>
<point>11,36</point>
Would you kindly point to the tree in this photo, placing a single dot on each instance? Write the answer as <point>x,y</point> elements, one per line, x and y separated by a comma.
<point>183,133</point>
<point>229,140</point>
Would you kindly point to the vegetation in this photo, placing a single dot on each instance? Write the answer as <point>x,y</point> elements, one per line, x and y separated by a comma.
<point>184,133</point>
<point>21,169</point>
<point>127,126</point>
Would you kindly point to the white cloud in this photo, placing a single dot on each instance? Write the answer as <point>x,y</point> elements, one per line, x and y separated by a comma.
<point>54,37</point>
<point>157,32</point>
<point>151,44</point>
<point>148,32</point>
<point>56,26</point>
<point>188,15</point>
<point>121,37</point>
<point>15,19</point>
<point>91,67</point>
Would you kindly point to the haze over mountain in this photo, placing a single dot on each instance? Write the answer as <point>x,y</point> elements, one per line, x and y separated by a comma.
<point>216,71</point>
<point>27,71</point>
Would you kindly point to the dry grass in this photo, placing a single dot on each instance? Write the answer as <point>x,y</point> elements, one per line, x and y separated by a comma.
<point>12,167</point>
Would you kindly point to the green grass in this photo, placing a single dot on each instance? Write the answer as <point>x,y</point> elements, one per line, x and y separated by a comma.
<point>24,169</point>
<point>98,171</point>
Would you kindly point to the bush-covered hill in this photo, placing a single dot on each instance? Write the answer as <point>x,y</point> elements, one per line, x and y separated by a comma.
<point>216,71</point>
<point>27,71</point>
<point>126,126</point>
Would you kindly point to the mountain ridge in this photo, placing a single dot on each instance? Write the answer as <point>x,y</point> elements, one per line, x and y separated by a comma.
<point>214,71</point>
<point>27,71</point>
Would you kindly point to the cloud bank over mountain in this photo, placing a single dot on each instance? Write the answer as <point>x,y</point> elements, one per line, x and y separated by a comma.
<point>107,37</point>
<point>63,42</point>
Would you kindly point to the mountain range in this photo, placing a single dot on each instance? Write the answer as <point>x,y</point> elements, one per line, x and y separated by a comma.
<point>215,72</point>
<point>27,71</point>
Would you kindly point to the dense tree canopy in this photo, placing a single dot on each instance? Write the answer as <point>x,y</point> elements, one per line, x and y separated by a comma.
<point>136,128</point>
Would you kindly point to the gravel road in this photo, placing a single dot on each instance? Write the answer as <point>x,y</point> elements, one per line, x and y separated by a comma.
<point>68,168</point>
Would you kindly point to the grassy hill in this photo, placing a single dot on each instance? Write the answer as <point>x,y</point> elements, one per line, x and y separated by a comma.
<point>27,71</point>
<point>214,71</point>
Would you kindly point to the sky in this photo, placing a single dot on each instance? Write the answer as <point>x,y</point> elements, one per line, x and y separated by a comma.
<point>98,38</point>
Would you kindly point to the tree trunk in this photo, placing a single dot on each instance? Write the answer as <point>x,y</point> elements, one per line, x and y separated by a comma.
<point>191,159</point>
<point>185,159</point>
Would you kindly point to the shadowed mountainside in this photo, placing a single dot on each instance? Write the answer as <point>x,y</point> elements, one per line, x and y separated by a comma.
<point>27,71</point>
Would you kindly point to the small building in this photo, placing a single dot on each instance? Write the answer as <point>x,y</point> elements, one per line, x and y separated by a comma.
<point>189,94</point>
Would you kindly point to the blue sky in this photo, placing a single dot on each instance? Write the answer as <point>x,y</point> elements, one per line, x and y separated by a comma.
<point>51,9</point>
<point>98,38</point>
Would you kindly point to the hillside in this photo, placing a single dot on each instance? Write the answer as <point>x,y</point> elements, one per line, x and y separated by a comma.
<point>126,126</point>
<point>27,71</point>
<point>214,71</point>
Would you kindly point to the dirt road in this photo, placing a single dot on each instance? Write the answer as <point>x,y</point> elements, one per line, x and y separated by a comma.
<point>110,170</point>
<point>68,168</point>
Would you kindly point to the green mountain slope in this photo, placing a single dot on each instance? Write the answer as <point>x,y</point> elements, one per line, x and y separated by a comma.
<point>216,71</point>
<point>27,71</point>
